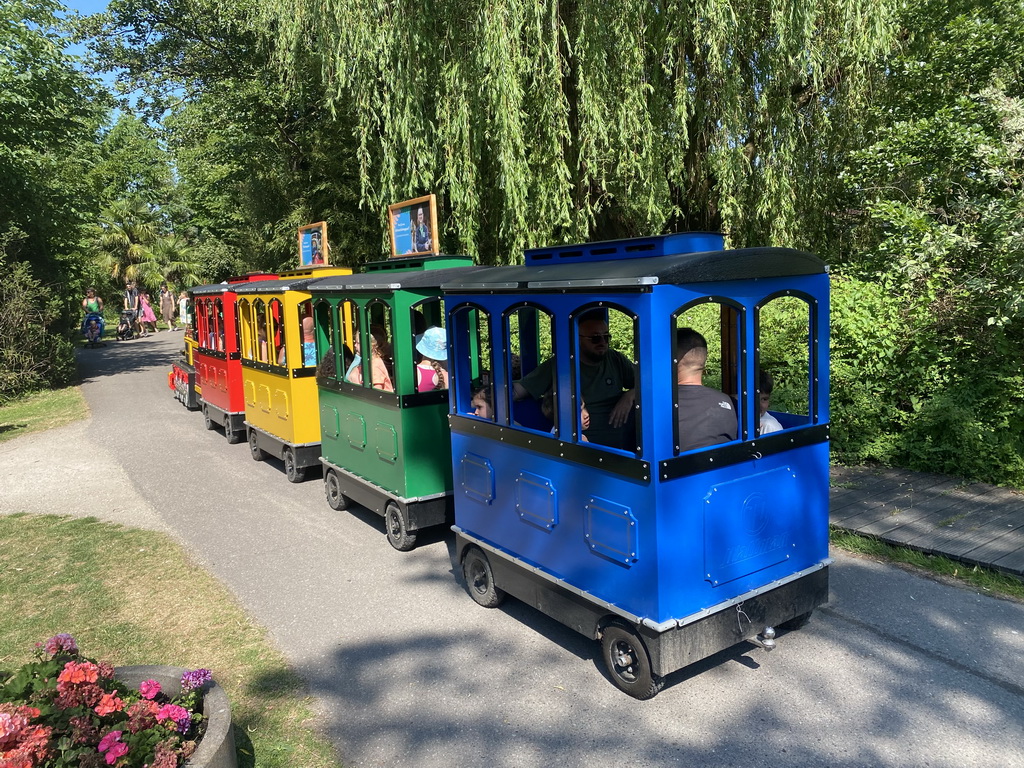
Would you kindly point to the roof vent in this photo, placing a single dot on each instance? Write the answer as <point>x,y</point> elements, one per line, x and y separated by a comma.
<point>632,248</point>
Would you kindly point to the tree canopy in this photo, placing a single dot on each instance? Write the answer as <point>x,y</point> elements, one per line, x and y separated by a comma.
<point>539,121</point>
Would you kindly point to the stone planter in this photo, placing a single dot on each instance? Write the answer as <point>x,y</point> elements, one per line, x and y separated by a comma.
<point>217,747</point>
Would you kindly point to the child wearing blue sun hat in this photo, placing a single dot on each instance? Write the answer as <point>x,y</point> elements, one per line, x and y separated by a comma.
<point>432,369</point>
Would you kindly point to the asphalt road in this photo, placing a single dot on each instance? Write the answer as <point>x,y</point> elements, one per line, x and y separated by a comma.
<point>407,670</point>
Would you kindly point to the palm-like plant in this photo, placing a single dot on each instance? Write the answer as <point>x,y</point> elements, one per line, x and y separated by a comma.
<point>177,261</point>
<point>122,240</point>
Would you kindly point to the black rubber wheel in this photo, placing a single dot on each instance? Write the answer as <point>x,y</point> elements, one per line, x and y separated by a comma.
<point>797,622</point>
<point>232,436</point>
<point>206,418</point>
<point>332,488</point>
<point>479,580</point>
<point>293,473</point>
<point>254,447</point>
<point>397,528</point>
<point>626,659</point>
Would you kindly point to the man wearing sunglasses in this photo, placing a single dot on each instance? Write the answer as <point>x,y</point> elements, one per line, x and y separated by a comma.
<point>607,382</point>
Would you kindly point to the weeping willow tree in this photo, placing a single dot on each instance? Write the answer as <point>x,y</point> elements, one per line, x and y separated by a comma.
<point>539,121</point>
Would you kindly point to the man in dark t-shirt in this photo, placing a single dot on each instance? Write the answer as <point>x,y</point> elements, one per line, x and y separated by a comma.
<point>706,416</point>
<point>607,384</point>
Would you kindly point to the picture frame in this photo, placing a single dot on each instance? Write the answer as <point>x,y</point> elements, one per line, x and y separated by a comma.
<point>314,250</point>
<point>413,227</point>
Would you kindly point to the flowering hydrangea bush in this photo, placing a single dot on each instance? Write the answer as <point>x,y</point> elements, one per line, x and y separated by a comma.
<point>66,710</point>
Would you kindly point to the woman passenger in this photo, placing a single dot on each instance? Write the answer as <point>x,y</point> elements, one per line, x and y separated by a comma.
<point>381,377</point>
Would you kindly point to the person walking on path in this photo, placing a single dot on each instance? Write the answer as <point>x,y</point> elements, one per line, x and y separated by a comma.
<point>167,306</point>
<point>131,304</point>
<point>146,314</point>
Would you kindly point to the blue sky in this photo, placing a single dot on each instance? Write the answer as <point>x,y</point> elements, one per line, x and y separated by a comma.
<point>86,6</point>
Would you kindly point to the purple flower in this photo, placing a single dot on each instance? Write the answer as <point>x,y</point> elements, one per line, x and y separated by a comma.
<point>149,689</point>
<point>197,678</point>
<point>62,643</point>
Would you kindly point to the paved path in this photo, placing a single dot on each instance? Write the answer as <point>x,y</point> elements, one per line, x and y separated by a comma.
<point>405,670</point>
<point>972,522</point>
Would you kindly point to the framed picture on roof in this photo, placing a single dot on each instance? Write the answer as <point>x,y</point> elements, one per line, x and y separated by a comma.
<point>413,226</point>
<point>313,248</point>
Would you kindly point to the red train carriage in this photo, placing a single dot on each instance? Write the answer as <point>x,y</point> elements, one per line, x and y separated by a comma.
<point>218,367</point>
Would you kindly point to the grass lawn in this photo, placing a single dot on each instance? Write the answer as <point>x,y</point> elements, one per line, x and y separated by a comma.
<point>984,579</point>
<point>42,411</point>
<point>134,597</point>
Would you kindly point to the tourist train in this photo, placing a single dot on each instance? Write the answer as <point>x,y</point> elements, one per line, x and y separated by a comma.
<point>541,411</point>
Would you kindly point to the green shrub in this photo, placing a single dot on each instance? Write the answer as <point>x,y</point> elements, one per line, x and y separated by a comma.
<point>32,355</point>
<point>921,381</point>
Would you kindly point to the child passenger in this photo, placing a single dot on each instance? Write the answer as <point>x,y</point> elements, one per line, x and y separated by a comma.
<point>769,423</point>
<point>547,407</point>
<point>431,370</point>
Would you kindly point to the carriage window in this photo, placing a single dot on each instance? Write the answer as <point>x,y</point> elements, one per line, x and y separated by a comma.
<point>784,357</point>
<point>348,329</point>
<point>370,370</point>
<point>472,357</point>
<point>201,321</point>
<point>260,310</point>
<point>221,344</point>
<point>210,332</point>
<point>324,340</point>
<point>380,328</point>
<point>531,366</point>
<point>706,375</point>
<point>276,331</point>
<point>246,334</point>
<point>307,332</point>
<point>603,408</point>
<point>429,346</point>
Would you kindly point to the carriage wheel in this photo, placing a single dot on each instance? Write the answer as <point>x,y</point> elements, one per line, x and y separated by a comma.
<point>480,580</point>
<point>232,436</point>
<point>332,487</point>
<point>397,527</point>
<point>293,473</point>
<point>626,659</point>
<point>254,446</point>
<point>206,418</point>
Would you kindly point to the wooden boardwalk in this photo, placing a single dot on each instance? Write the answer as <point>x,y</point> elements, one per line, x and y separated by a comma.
<point>971,522</point>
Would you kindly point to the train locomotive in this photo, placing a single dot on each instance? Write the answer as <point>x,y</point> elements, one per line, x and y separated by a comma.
<point>559,446</point>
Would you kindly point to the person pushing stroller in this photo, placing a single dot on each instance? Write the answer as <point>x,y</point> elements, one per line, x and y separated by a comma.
<point>92,325</point>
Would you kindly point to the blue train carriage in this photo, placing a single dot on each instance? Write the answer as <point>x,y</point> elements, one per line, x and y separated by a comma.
<point>597,482</point>
<point>384,415</point>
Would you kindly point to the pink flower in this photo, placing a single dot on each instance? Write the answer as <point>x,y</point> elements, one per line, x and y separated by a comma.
<point>116,751</point>
<point>149,689</point>
<point>79,672</point>
<point>108,741</point>
<point>178,717</point>
<point>109,703</point>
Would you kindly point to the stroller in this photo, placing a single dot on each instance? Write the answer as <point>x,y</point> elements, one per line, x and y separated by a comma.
<point>126,325</point>
<point>92,329</point>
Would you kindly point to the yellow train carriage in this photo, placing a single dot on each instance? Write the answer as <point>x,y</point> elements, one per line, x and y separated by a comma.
<point>278,355</point>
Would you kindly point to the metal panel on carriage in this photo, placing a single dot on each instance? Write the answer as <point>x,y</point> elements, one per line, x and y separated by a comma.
<point>384,444</point>
<point>663,540</point>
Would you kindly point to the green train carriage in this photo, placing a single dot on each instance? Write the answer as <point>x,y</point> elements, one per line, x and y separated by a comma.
<point>384,444</point>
